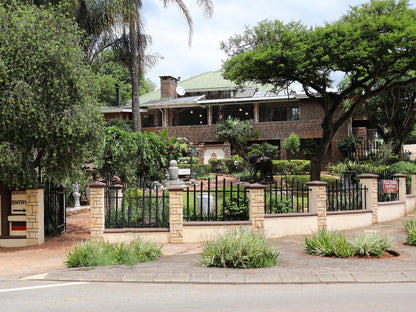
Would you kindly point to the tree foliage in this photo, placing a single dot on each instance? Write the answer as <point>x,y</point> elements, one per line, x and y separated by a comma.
<point>111,72</point>
<point>236,132</point>
<point>394,115</point>
<point>373,43</point>
<point>292,145</point>
<point>131,155</point>
<point>49,123</point>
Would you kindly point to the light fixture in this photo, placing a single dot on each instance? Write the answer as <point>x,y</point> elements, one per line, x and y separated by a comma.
<point>240,109</point>
<point>192,111</point>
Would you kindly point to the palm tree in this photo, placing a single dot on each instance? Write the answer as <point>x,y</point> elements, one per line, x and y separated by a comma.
<point>137,42</point>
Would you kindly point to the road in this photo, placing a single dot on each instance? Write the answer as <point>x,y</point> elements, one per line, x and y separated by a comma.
<point>16,296</point>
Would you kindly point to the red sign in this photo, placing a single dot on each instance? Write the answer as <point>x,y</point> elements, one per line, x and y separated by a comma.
<point>390,186</point>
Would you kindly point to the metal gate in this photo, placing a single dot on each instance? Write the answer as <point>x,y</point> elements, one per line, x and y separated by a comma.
<point>55,218</point>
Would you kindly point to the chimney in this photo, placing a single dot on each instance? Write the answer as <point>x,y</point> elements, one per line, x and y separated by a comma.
<point>168,86</point>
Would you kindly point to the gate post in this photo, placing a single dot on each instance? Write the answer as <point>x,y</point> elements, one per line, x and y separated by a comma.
<point>175,214</point>
<point>402,189</point>
<point>35,233</point>
<point>413,185</point>
<point>97,210</point>
<point>256,207</point>
<point>369,181</point>
<point>317,202</point>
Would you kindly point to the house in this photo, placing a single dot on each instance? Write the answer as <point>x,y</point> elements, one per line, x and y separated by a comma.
<point>191,108</point>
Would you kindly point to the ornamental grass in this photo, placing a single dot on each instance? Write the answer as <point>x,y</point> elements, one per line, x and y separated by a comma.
<point>92,253</point>
<point>239,249</point>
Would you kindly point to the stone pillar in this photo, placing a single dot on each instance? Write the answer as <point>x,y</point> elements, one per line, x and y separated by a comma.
<point>402,189</point>
<point>35,214</point>
<point>369,181</point>
<point>402,185</point>
<point>317,202</point>
<point>256,207</point>
<point>413,186</point>
<point>97,210</point>
<point>176,214</point>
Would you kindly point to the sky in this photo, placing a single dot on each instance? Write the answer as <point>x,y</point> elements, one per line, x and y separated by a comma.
<point>169,30</point>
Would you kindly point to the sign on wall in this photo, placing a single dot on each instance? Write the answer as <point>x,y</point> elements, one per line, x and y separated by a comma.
<point>390,186</point>
<point>18,202</point>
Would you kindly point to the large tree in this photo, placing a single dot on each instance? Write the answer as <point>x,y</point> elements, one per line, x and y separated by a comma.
<point>49,121</point>
<point>394,115</point>
<point>374,44</point>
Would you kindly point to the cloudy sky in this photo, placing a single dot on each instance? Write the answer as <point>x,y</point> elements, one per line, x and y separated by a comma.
<point>169,30</point>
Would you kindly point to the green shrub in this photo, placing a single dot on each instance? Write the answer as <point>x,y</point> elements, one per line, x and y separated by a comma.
<point>201,170</point>
<point>91,253</point>
<point>279,204</point>
<point>335,244</point>
<point>236,208</point>
<point>239,249</point>
<point>349,144</point>
<point>371,245</point>
<point>292,145</point>
<point>218,166</point>
<point>227,165</point>
<point>329,244</point>
<point>85,254</point>
<point>187,160</point>
<point>410,228</point>
<point>404,167</point>
<point>295,166</point>
<point>234,164</point>
<point>269,150</point>
<point>368,167</point>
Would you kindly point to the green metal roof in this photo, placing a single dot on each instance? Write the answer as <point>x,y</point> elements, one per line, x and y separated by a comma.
<point>209,81</point>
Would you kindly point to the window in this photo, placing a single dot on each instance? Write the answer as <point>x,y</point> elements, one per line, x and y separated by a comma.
<point>189,117</point>
<point>278,112</point>
<point>152,119</point>
<point>223,112</point>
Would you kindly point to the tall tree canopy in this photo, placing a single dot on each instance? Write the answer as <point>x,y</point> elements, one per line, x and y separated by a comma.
<point>49,122</point>
<point>373,43</point>
<point>394,115</point>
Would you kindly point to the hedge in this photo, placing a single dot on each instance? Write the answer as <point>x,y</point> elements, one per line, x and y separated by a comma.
<point>295,166</point>
<point>227,165</point>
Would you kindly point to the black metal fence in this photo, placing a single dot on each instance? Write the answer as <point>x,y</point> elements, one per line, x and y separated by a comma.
<point>216,201</point>
<point>370,150</point>
<point>143,207</point>
<point>285,197</point>
<point>344,197</point>
<point>54,205</point>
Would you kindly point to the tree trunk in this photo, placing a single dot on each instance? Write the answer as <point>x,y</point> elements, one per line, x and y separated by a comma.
<point>321,152</point>
<point>134,73</point>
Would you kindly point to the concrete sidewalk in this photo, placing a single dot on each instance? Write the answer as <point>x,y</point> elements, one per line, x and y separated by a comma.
<point>294,266</point>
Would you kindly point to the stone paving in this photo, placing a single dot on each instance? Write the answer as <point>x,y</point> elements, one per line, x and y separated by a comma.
<point>293,266</point>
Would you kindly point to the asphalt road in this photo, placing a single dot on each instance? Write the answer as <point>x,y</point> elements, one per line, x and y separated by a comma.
<point>16,296</point>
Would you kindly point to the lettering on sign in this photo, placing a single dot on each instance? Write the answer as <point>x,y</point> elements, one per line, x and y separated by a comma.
<point>390,186</point>
<point>18,202</point>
